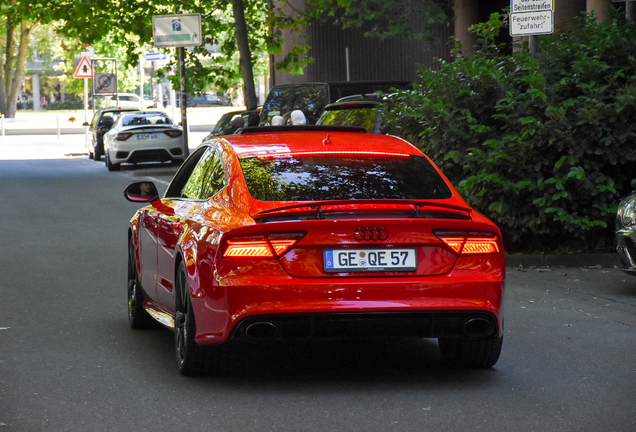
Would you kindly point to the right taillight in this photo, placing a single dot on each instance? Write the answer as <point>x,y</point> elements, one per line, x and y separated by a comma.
<point>471,243</point>
<point>173,133</point>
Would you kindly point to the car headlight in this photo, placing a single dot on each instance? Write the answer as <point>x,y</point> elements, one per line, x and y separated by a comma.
<point>626,214</point>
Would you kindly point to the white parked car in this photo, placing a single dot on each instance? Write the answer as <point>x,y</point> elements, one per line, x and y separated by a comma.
<point>143,136</point>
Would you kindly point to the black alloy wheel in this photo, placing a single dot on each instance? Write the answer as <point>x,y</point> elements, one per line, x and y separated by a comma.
<point>192,359</point>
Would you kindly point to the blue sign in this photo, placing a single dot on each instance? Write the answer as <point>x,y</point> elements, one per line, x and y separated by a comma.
<point>156,56</point>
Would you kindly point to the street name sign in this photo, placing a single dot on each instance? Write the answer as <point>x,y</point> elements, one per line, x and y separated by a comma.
<point>179,30</point>
<point>531,17</point>
<point>156,56</point>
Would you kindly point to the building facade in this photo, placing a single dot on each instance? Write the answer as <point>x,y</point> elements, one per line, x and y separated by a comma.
<point>346,55</point>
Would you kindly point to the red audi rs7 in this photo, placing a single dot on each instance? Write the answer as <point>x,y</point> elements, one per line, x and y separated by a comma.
<point>309,232</point>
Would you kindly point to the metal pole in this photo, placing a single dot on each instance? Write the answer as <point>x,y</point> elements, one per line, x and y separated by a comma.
<point>184,102</point>
<point>58,127</point>
<point>347,62</point>
<point>2,117</point>
<point>86,112</point>
<point>533,45</point>
<point>141,83</point>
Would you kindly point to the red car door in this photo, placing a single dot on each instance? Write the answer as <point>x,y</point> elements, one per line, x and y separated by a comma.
<point>169,230</point>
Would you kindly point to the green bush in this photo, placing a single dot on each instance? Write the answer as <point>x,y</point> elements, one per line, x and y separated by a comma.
<point>544,146</point>
<point>72,104</point>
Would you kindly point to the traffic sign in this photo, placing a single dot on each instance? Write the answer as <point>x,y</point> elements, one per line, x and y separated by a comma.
<point>156,56</point>
<point>179,30</point>
<point>531,17</point>
<point>531,23</point>
<point>105,83</point>
<point>517,6</point>
<point>84,69</point>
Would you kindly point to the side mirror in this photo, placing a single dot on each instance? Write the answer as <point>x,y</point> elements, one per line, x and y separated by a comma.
<point>141,192</point>
<point>85,124</point>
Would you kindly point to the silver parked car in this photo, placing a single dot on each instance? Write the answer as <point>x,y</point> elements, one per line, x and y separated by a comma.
<point>143,136</point>
<point>626,233</point>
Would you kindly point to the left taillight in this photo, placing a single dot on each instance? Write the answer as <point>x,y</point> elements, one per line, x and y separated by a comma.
<point>173,133</point>
<point>122,136</point>
<point>259,246</point>
<point>471,243</point>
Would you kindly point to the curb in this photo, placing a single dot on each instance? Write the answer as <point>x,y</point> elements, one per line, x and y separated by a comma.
<point>563,260</point>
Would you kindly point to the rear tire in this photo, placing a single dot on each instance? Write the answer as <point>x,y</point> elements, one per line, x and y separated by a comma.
<point>138,318</point>
<point>111,166</point>
<point>98,153</point>
<point>192,359</point>
<point>471,353</point>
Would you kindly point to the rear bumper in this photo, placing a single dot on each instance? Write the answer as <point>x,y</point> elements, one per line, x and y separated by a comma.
<point>157,151</point>
<point>361,325</point>
<point>341,307</point>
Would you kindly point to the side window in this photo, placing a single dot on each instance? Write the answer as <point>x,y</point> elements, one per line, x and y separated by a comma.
<point>215,178</point>
<point>185,173</point>
<point>196,184</point>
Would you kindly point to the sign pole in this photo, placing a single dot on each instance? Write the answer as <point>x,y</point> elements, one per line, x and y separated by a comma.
<point>86,112</point>
<point>184,101</point>
<point>533,45</point>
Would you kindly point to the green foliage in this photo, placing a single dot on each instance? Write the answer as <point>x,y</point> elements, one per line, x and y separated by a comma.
<point>72,104</point>
<point>544,146</point>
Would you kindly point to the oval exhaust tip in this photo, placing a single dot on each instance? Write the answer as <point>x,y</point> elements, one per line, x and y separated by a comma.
<point>261,331</point>
<point>478,327</point>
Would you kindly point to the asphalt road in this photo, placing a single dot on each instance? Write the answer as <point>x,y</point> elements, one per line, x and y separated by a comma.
<point>69,362</point>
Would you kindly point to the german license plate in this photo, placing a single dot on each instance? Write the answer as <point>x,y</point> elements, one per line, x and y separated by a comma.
<point>357,260</point>
<point>147,136</point>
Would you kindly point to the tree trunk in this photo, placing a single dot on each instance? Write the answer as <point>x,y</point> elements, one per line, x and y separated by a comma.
<point>245,54</point>
<point>10,53</point>
<point>3,92</point>
<point>14,82</point>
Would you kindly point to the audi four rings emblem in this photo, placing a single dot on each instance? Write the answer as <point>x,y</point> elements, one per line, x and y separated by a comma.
<point>369,234</point>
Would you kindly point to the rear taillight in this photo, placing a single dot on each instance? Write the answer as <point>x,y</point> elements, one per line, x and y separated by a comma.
<point>123,136</point>
<point>472,243</point>
<point>173,133</point>
<point>259,247</point>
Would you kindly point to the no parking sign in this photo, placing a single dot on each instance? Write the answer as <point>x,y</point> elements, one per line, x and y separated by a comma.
<point>105,83</point>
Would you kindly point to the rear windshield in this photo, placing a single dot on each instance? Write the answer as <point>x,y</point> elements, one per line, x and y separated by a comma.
<point>145,119</point>
<point>316,178</point>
